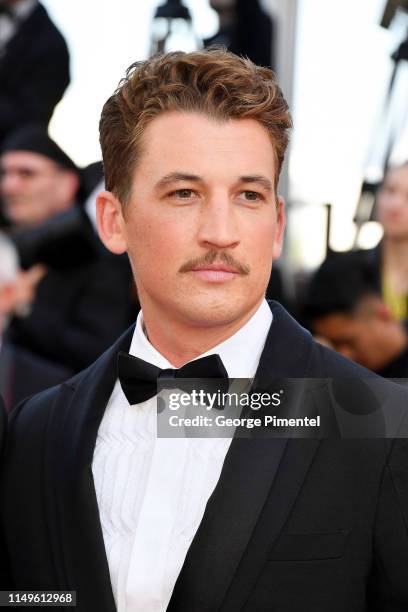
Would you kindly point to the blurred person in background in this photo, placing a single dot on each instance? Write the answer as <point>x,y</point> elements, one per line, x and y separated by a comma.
<point>390,258</point>
<point>34,65</point>
<point>345,308</point>
<point>21,373</point>
<point>38,179</point>
<point>81,302</point>
<point>245,29</point>
<point>9,269</point>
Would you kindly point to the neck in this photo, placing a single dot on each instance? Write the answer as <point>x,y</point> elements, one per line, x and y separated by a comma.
<point>180,341</point>
<point>395,252</point>
<point>395,264</point>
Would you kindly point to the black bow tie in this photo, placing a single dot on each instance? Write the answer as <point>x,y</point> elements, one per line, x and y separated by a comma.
<point>140,379</point>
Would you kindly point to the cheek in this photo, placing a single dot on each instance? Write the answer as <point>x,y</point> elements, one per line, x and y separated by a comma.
<point>156,243</point>
<point>44,192</point>
<point>367,341</point>
<point>405,211</point>
<point>46,186</point>
<point>262,240</point>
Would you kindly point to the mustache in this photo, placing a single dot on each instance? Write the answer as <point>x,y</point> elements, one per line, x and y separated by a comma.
<point>212,257</point>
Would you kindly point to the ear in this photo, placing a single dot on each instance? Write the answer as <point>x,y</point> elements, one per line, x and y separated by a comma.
<point>109,218</point>
<point>280,228</point>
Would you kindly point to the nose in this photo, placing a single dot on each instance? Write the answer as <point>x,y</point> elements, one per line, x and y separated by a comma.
<point>218,226</point>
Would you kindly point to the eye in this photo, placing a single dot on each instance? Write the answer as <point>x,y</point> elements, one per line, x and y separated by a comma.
<point>25,173</point>
<point>252,196</point>
<point>183,194</point>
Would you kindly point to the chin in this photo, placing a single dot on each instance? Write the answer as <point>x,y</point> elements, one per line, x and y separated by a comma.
<point>213,312</point>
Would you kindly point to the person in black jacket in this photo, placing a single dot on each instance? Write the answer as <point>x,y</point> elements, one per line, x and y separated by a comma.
<point>193,145</point>
<point>21,372</point>
<point>34,65</point>
<point>74,298</point>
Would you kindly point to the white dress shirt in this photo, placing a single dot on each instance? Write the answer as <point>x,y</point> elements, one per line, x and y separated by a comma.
<point>152,492</point>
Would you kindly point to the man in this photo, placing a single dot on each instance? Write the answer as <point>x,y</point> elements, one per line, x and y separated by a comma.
<point>76,296</point>
<point>345,307</point>
<point>192,146</point>
<point>37,178</point>
<point>34,65</point>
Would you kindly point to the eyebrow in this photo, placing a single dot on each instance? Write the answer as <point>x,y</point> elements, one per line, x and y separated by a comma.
<point>260,180</point>
<point>174,177</point>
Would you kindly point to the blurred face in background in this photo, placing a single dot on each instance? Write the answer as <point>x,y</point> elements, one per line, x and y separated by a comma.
<point>369,335</point>
<point>392,203</point>
<point>33,187</point>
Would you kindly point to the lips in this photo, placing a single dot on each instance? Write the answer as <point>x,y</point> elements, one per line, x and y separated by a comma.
<point>216,273</point>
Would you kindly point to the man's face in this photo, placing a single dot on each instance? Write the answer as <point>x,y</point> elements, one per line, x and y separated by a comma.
<point>392,203</point>
<point>203,222</point>
<point>30,187</point>
<point>359,338</point>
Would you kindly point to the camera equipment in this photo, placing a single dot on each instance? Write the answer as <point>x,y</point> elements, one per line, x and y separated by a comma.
<point>172,29</point>
<point>390,9</point>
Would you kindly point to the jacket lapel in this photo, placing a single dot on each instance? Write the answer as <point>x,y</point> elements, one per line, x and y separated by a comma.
<point>75,527</point>
<point>259,483</point>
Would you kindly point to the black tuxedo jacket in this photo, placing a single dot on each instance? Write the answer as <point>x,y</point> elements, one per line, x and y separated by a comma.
<point>34,72</point>
<point>308,525</point>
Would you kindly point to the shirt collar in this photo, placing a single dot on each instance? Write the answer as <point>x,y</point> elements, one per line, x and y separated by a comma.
<point>240,353</point>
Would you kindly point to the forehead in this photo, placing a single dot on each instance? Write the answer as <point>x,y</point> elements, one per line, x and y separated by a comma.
<point>26,160</point>
<point>197,143</point>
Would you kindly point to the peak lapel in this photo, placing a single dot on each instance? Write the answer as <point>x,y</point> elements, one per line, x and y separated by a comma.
<point>253,492</point>
<point>70,493</point>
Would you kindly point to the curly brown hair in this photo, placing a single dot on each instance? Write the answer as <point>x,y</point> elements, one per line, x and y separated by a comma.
<point>214,82</point>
